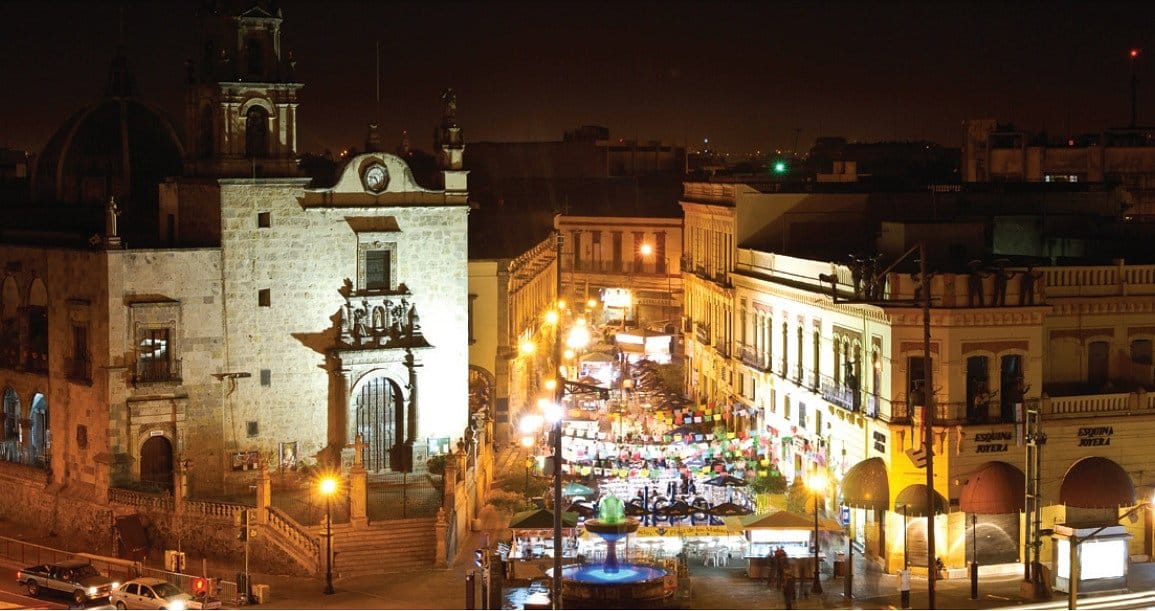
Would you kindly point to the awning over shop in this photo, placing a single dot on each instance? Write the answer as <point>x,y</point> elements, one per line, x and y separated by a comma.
<point>913,498</point>
<point>537,519</point>
<point>1097,483</point>
<point>866,485</point>
<point>994,487</point>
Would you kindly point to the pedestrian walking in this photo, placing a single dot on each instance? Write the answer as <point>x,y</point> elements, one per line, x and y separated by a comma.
<point>788,593</point>
<point>780,566</point>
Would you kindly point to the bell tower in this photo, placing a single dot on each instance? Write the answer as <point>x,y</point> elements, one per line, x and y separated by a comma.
<point>450,144</point>
<point>241,103</point>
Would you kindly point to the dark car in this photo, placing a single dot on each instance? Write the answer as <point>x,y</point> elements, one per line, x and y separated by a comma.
<point>76,578</point>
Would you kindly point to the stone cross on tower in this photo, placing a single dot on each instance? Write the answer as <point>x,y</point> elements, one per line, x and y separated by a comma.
<point>358,446</point>
<point>111,235</point>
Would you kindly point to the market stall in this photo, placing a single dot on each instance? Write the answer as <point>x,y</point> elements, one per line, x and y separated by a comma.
<point>792,532</point>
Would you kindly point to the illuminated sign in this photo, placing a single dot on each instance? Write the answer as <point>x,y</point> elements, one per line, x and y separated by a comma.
<point>617,298</point>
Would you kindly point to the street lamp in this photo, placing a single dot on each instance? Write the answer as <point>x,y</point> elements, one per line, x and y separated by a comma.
<point>817,485</point>
<point>328,487</point>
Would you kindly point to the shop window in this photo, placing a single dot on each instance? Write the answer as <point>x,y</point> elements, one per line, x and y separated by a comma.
<point>1011,392</point>
<point>916,369</point>
<point>977,388</point>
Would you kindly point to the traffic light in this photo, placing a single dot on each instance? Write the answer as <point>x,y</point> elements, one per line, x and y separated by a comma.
<point>779,166</point>
<point>200,586</point>
<point>242,520</point>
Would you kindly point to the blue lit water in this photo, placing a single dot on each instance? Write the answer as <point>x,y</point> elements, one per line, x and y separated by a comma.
<point>626,573</point>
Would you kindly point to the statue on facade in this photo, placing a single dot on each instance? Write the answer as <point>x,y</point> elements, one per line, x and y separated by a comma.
<point>1027,286</point>
<point>999,296</point>
<point>975,284</point>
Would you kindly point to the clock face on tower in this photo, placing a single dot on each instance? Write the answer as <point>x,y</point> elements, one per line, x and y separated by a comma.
<point>376,178</point>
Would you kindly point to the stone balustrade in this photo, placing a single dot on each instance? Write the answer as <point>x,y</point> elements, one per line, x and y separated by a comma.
<point>295,535</point>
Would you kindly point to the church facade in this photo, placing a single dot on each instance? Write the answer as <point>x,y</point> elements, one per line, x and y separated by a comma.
<point>254,318</point>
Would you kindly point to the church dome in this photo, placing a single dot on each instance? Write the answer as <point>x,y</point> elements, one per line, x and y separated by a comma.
<point>120,147</point>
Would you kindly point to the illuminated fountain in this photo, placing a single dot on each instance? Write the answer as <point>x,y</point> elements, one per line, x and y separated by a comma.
<point>612,584</point>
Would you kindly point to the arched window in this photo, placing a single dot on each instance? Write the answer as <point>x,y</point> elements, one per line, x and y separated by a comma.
<point>10,445</point>
<point>36,357</point>
<point>257,132</point>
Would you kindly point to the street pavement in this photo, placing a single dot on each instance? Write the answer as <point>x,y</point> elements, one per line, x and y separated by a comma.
<point>724,587</point>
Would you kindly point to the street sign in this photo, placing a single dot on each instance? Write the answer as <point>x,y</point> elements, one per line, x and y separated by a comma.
<point>844,515</point>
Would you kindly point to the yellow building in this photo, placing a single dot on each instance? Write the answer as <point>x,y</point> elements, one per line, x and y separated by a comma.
<point>832,353</point>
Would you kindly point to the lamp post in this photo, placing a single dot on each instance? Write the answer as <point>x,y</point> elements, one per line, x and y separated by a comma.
<point>974,556</point>
<point>528,466</point>
<point>817,484</point>
<point>328,487</point>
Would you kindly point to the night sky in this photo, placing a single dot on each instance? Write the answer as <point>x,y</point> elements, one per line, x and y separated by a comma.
<point>746,75</point>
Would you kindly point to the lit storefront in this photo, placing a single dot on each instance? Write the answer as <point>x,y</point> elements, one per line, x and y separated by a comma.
<point>992,500</point>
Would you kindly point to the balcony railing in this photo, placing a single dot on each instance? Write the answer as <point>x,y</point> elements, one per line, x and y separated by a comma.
<point>154,371</point>
<point>722,346</point>
<point>750,356</point>
<point>839,394</point>
<point>702,333</point>
<point>36,361</point>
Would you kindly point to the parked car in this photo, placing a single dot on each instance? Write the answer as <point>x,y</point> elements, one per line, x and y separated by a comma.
<point>76,578</point>
<point>154,593</point>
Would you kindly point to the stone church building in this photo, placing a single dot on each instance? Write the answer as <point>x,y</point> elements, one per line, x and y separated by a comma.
<point>174,312</point>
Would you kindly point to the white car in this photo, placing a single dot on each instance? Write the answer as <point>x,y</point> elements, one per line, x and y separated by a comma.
<point>153,593</point>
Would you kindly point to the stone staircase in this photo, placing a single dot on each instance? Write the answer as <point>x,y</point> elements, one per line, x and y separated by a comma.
<point>383,547</point>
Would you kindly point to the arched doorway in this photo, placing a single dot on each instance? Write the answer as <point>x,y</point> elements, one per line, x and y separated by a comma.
<point>156,462</point>
<point>380,417</point>
<point>41,439</point>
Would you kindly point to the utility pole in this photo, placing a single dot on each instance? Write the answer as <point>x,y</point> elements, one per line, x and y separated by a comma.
<point>559,394</point>
<point>1035,439</point>
<point>928,423</point>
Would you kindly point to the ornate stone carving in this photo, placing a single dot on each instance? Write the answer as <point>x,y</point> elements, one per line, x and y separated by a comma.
<point>379,321</point>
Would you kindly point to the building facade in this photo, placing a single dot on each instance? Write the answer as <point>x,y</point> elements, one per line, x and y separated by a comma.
<point>1046,361</point>
<point>255,319</point>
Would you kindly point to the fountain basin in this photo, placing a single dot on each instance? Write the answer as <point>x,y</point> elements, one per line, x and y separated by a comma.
<point>631,586</point>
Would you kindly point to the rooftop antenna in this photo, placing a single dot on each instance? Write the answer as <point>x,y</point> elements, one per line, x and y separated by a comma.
<point>1134,85</point>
